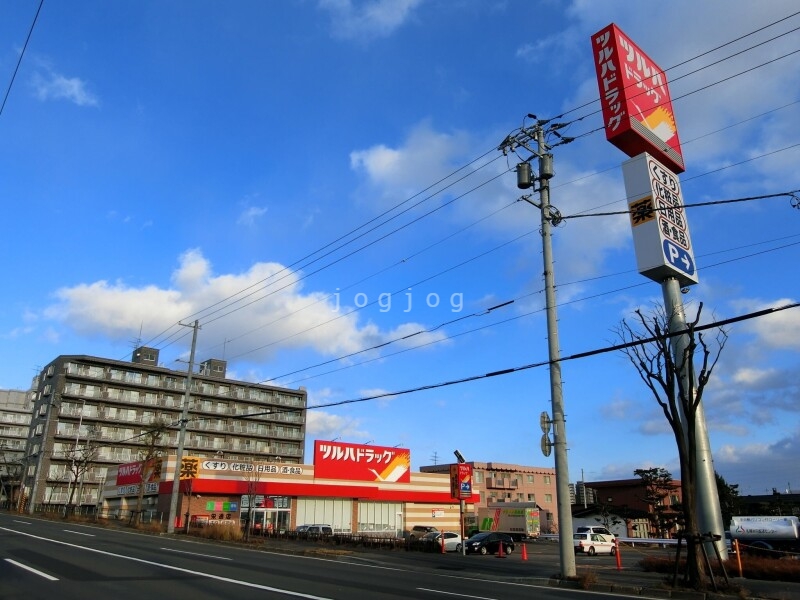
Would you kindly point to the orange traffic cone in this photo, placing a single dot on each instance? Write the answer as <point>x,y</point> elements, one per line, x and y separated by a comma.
<point>524,551</point>
<point>500,550</point>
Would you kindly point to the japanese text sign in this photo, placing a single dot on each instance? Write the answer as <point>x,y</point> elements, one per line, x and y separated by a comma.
<point>461,481</point>
<point>658,221</point>
<point>131,473</point>
<point>360,462</point>
<point>637,109</point>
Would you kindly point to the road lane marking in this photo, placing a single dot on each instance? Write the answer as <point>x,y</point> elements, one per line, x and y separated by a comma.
<point>173,568</point>
<point>32,570</point>
<point>197,554</point>
<point>79,533</point>
<point>22,522</point>
<point>455,594</point>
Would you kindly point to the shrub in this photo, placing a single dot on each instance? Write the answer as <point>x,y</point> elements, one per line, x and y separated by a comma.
<point>225,533</point>
<point>753,567</point>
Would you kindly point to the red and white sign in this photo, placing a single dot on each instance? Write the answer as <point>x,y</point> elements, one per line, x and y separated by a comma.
<point>131,473</point>
<point>339,460</point>
<point>637,109</point>
<point>461,481</point>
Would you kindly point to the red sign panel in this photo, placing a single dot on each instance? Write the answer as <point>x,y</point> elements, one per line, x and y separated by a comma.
<point>637,109</point>
<point>338,460</point>
<point>131,473</point>
<point>461,481</point>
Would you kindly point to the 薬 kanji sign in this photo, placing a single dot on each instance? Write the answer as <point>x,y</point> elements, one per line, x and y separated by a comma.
<point>658,221</point>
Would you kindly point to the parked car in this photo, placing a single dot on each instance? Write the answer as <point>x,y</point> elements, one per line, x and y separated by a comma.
<point>452,541</point>
<point>420,530</point>
<point>489,542</point>
<point>314,531</point>
<point>594,543</point>
<point>594,529</point>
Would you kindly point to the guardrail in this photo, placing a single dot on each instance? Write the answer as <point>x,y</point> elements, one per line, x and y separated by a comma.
<point>623,540</point>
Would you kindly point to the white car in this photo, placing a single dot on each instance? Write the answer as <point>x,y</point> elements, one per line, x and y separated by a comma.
<point>452,541</point>
<point>594,543</point>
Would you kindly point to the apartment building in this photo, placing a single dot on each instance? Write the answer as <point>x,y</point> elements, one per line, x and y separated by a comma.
<point>15,419</point>
<point>96,412</point>
<point>494,482</point>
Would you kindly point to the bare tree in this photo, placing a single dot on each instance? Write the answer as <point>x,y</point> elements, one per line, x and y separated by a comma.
<point>150,461</point>
<point>252,477</point>
<point>80,457</point>
<point>677,386</point>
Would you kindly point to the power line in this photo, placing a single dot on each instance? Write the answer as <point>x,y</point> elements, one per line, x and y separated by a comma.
<point>390,210</point>
<point>21,54</point>
<point>791,194</point>
<point>544,363</point>
<point>510,319</point>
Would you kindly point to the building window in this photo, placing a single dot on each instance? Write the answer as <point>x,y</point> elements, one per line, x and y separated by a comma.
<point>547,479</point>
<point>548,498</point>
<point>531,497</point>
<point>530,478</point>
<point>478,476</point>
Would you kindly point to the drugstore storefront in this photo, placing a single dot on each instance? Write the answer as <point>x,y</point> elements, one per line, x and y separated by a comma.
<point>353,488</point>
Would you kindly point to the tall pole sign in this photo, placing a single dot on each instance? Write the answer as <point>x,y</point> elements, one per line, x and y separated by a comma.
<point>639,120</point>
<point>658,221</point>
<point>637,109</point>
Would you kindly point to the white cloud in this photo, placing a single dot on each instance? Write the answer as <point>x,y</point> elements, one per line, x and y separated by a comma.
<point>758,467</point>
<point>322,425</point>
<point>368,19</point>
<point>395,174</point>
<point>272,308</point>
<point>749,376</point>
<point>53,86</point>
<point>250,215</point>
<point>780,330</point>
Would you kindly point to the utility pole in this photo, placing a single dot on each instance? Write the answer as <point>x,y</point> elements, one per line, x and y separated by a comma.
<point>549,216</point>
<point>176,481</point>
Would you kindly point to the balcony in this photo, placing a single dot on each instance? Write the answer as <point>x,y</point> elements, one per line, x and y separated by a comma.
<point>497,483</point>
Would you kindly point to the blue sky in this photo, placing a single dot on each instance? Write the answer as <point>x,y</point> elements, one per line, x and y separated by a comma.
<point>165,162</point>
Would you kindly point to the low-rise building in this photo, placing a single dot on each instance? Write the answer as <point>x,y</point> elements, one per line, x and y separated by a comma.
<point>353,488</point>
<point>495,482</point>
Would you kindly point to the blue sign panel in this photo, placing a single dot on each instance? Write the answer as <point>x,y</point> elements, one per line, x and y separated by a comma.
<point>679,258</point>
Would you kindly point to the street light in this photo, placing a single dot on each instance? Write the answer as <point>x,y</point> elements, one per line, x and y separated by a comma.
<point>461,506</point>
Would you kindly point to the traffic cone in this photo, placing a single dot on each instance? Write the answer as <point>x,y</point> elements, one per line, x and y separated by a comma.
<point>500,551</point>
<point>524,551</point>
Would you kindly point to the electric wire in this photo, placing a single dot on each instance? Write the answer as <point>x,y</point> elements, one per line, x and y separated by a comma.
<point>430,187</point>
<point>231,298</point>
<point>21,54</point>
<point>543,363</point>
<point>519,316</point>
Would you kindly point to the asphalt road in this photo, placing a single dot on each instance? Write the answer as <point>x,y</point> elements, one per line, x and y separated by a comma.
<point>54,559</point>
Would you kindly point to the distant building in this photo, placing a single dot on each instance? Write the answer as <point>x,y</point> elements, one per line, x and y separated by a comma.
<point>80,402</point>
<point>622,506</point>
<point>580,494</point>
<point>785,503</point>
<point>494,482</point>
<point>15,419</point>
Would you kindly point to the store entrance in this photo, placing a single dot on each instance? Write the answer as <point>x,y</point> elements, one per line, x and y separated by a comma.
<point>270,520</point>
